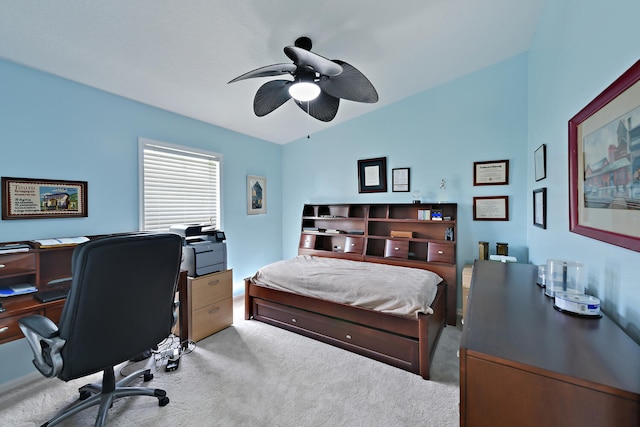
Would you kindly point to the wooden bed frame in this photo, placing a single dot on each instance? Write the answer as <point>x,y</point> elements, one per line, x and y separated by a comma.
<point>402,342</point>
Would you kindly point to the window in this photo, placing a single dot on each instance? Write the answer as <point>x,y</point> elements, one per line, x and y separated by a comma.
<point>178,185</point>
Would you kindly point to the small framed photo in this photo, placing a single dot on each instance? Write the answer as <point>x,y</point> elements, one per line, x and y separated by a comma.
<point>400,179</point>
<point>491,173</point>
<point>540,162</point>
<point>256,195</point>
<point>372,175</point>
<point>491,208</point>
<point>27,198</point>
<point>540,208</point>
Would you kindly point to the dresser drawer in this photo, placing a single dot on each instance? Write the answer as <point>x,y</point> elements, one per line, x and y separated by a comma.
<point>211,318</point>
<point>441,252</point>
<point>21,263</point>
<point>211,288</point>
<point>354,245</point>
<point>9,328</point>
<point>396,249</point>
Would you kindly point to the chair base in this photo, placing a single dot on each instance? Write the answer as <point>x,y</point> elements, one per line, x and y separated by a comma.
<point>104,394</point>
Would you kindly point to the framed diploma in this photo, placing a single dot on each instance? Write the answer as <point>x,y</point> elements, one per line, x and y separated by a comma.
<point>491,173</point>
<point>372,175</point>
<point>400,179</point>
<point>26,198</point>
<point>540,207</point>
<point>491,208</point>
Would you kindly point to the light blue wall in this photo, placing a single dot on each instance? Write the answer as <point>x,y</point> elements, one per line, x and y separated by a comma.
<point>438,134</point>
<point>54,128</point>
<point>579,49</point>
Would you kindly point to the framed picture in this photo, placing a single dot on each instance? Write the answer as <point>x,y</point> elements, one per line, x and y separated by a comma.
<point>604,164</point>
<point>540,162</point>
<point>256,195</point>
<point>27,198</point>
<point>400,179</point>
<point>491,173</point>
<point>540,207</point>
<point>491,208</point>
<point>372,175</point>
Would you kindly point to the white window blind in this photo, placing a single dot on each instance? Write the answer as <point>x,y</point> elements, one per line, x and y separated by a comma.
<point>179,186</point>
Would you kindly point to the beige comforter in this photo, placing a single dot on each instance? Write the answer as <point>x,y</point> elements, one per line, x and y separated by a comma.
<point>387,288</point>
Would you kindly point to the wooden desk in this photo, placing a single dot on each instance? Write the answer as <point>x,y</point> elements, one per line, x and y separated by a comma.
<point>523,363</point>
<point>40,266</point>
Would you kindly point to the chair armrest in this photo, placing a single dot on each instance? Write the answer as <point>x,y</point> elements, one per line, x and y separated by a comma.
<point>41,325</point>
<point>42,336</point>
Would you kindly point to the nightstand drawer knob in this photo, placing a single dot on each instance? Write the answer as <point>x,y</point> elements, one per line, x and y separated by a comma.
<point>3,329</point>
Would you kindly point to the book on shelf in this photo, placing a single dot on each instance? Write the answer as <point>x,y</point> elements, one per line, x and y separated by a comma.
<point>333,231</point>
<point>14,248</point>
<point>22,289</point>
<point>360,232</point>
<point>424,214</point>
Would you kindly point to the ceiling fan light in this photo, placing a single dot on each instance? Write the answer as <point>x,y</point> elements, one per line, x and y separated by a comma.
<point>304,91</point>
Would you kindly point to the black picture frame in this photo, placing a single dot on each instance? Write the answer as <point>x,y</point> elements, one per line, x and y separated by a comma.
<point>494,172</point>
<point>540,162</point>
<point>372,175</point>
<point>540,207</point>
<point>491,208</point>
<point>401,180</point>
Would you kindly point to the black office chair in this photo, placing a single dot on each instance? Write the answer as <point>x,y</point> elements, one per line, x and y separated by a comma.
<point>121,303</point>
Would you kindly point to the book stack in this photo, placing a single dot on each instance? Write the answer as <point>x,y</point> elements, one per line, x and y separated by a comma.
<point>10,291</point>
<point>14,248</point>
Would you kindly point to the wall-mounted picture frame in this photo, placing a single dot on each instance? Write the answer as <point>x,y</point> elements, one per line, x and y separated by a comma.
<point>256,195</point>
<point>29,198</point>
<point>540,162</point>
<point>491,208</point>
<point>372,175</point>
<point>400,179</point>
<point>540,207</point>
<point>494,172</point>
<point>604,164</point>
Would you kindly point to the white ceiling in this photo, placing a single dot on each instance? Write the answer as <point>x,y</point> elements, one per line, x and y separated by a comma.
<point>178,55</point>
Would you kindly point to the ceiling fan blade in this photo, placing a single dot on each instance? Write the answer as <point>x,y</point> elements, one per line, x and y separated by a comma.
<point>323,108</point>
<point>270,96</point>
<point>269,70</point>
<point>303,57</point>
<point>351,84</point>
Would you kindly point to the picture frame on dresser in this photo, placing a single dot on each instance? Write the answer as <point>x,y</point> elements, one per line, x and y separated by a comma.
<point>604,196</point>
<point>30,198</point>
<point>372,175</point>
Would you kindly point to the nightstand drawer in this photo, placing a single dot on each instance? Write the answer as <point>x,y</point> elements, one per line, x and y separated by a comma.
<point>210,288</point>
<point>441,252</point>
<point>212,318</point>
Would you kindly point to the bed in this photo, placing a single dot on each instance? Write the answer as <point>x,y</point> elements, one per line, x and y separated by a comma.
<point>402,332</point>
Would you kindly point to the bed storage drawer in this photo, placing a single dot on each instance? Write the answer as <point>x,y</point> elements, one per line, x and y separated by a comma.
<point>386,347</point>
<point>353,245</point>
<point>396,249</point>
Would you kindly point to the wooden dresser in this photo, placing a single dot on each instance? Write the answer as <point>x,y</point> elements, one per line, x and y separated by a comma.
<point>523,363</point>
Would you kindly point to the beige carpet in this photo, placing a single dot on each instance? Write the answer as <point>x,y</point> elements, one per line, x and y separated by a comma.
<point>255,374</point>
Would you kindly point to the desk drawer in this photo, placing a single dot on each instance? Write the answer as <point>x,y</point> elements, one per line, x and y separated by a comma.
<point>9,328</point>
<point>21,263</point>
<point>210,319</point>
<point>211,288</point>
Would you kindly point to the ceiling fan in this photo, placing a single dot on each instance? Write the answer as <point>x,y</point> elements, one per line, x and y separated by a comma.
<point>318,83</point>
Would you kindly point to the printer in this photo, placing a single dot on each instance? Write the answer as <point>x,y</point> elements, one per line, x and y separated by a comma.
<point>204,249</point>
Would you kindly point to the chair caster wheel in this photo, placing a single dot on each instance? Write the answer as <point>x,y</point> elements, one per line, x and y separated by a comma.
<point>147,377</point>
<point>84,395</point>
<point>163,401</point>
